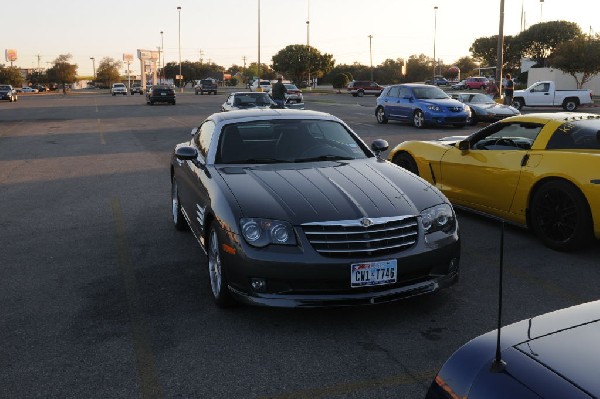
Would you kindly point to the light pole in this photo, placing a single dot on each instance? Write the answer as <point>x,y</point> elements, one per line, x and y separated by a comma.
<point>94,66</point>
<point>434,33</point>
<point>371,55</point>
<point>162,46</point>
<point>258,64</point>
<point>308,42</point>
<point>541,11</point>
<point>180,77</point>
<point>500,50</point>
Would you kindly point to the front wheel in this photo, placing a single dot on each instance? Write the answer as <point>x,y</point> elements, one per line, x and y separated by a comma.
<point>560,216</point>
<point>419,119</point>
<point>360,93</point>
<point>218,283</point>
<point>406,161</point>
<point>380,115</point>
<point>518,103</point>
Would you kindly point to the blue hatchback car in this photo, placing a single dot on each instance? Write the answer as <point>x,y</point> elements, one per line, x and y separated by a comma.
<point>421,105</point>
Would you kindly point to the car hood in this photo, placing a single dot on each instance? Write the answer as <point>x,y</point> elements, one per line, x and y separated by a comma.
<point>496,108</point>
<point>322,191</point>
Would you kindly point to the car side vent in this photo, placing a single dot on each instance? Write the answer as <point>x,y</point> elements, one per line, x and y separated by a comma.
<point>367,237</point>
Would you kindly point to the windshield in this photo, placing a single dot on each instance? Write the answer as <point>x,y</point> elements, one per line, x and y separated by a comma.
<point>429,93</point>
<point>251,99</point>
<point>285,141</point>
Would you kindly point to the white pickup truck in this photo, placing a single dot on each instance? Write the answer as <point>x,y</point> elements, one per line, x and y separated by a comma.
<point>544,94</point>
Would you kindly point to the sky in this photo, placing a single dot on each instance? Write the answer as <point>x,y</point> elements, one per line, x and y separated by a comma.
<point>226,32</point>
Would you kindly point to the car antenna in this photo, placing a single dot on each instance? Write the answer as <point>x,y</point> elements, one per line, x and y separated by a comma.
<point>499,365</point>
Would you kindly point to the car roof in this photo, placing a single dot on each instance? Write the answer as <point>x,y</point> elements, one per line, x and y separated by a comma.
<point>268,114</point>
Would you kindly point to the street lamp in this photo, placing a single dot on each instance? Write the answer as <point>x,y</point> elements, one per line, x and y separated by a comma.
<point>258,65</point>
<point>94,66</point>
<point>180,77</point>
<point>371,55</point>
<point>162,47</point>
<point>434,33</point>
<point>308,41</point>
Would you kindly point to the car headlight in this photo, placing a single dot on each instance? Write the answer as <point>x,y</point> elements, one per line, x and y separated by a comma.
<point>262,232</point>
<point>434,108</point>
<point>438,218</point>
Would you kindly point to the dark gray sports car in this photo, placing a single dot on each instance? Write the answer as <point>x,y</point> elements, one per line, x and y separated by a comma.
<point>293,209</point>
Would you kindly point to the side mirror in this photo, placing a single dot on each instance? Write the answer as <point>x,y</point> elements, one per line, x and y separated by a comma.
<point>378,146</point>
<point>194,131</point>
<point>186,153</point>
<point>464,145</point>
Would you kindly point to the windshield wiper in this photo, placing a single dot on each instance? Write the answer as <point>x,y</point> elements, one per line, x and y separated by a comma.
<point>259,160</point>
<point>325,158</point>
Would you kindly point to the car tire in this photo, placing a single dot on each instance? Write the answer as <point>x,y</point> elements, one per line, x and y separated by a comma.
<point>406,161</point>
<point>151,102</point>
<point>560,216</point>
<point>201,92</point>
<point>570,105</point>
<point>419,119</point>
<point>216,275</point>
<point>472,120</point>
<point>173,102</point>
<point>178,220</point>
<point>518,103</point>
<point>360,93</point>
<point>380,115</point>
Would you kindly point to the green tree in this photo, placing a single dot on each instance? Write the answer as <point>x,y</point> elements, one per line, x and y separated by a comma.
<point>37,77</point>
<point>579,58</point>
<point>340,81</point>
<point>296,61</point>
<point>108,71</point>
<point>389,71</point>
<point>539,40</point>
<point>63,71</point>
<point>418,68</point>
<point>485,50</point>
<point>11,76</point>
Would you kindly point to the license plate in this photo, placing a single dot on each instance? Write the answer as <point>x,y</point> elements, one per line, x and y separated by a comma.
<point>373,273</point>
<point>163,94</point>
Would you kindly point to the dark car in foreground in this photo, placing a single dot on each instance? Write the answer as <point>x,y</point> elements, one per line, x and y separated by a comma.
<point>421,105</point>
<point>7,92</point>
<point>160,94</point>
<point>484,108</point>
<point>294,210</point>
<point>554,355</point>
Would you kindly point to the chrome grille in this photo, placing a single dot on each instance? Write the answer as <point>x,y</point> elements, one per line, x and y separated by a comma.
<point>368,237</point>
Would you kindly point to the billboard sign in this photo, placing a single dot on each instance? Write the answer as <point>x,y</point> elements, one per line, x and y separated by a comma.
<point>11,55</point>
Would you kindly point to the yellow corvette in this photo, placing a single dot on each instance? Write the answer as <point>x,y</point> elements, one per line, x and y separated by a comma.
<point>538,170</point>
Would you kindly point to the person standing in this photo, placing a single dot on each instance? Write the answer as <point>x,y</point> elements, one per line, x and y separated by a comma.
<point>492,89</point>
<point>509,90</point>
<point>278,92</point>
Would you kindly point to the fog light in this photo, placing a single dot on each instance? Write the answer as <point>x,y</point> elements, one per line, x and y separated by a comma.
<point>258,284</point>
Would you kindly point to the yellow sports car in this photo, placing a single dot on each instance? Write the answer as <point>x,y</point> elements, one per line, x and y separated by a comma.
<point>538,170</point>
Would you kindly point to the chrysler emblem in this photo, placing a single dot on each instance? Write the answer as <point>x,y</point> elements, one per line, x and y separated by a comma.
<point>366,222</point>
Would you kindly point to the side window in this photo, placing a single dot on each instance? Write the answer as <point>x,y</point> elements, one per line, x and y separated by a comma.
<point>541,88</point>
<point>576,135</point>
<point>404,92</point>
<point>508,136</point>
<point>204,136</point>
<point>394,91</point>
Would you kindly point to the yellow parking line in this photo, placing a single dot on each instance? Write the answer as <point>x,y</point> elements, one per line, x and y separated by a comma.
<point>353,387</point>
<point>146,368</point>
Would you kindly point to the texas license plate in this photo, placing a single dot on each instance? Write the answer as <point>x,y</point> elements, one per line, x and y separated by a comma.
<point>373,273</point>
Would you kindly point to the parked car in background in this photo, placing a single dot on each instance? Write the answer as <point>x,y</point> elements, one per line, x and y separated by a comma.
<point>554,355</point>
<point>294,210</point>
<point>460,85</point>
<point>118,88</point>
<point>28,89</point>
<point>294,94</point>
<point>484,108</point>
<point>438,81</point>
<point>136,88</point>
<point>545,94</point>
<point>247,100</point>
<point>420,105</point>
<point>359,88</point>
<point>41,88</point>
<point>536,170</point>
<point>476,82</point>
<point>7,92</point>
<point>160,94</point>
<point>263,84</point>
<point>206,86</point>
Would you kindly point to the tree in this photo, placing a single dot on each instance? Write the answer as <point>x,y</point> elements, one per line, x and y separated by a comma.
<point>108,71</point>
<point>298,60</point>
<point>390,71</point>
<point>466,65</point>
<point>11,76</point>
<point>540,40</point>
<point>340,81</point>
<point>63,71</point>
<point>485,50</point>
<point>579,58</point>
<point>418,68</point>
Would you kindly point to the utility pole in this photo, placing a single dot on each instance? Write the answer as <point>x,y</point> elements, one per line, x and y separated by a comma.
<point>371,55</point>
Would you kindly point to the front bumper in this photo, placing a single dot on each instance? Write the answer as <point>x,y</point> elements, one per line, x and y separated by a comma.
<point>435,118</point>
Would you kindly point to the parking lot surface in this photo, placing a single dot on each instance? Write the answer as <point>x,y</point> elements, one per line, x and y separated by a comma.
<point>101,297</point>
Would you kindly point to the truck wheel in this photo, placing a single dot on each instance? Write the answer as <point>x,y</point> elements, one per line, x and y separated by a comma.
<point>518,103</point>
<point>570,105</point>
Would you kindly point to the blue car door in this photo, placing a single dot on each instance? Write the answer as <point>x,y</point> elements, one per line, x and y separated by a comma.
<point>391,103</point>
<point>406,104</point>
